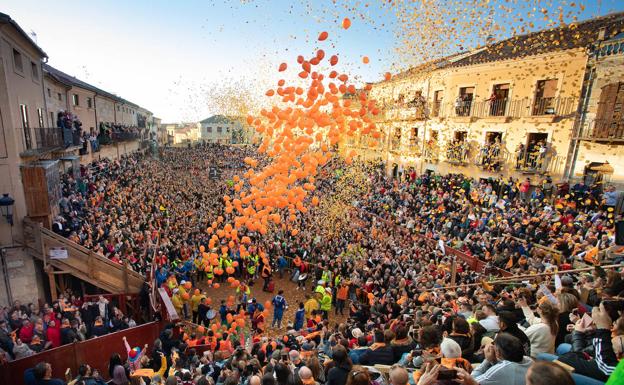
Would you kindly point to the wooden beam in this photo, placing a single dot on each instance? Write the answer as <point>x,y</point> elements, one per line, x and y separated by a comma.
<point>52,279</point>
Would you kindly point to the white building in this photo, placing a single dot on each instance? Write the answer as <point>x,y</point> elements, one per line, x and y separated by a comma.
<point>218,129</point>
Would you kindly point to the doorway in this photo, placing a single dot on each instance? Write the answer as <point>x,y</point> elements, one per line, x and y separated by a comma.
<point>535,150</point>
<point>498,100</point>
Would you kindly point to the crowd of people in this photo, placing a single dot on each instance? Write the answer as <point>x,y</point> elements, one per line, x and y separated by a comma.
<point>383,273</point>
<point>29,329</point>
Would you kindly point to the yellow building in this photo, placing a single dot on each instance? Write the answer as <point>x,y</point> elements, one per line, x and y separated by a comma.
<point>507,108</point>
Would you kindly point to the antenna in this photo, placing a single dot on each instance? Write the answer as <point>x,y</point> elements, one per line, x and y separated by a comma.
<point>33,35</point>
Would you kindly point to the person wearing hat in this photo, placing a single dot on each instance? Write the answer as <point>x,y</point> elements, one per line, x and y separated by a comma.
<point>134,355</point>
<point>326,302</point>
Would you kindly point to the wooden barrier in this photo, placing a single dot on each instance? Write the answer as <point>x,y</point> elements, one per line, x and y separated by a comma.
<point>96,352</point>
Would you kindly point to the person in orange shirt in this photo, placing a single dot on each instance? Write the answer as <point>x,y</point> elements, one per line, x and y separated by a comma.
<point>341,297</point>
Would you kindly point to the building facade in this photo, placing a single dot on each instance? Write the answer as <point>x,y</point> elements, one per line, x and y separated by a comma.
<point>23,120</point>
<point>218,129</point>
<point>33,153</point>
<point>511,108</point>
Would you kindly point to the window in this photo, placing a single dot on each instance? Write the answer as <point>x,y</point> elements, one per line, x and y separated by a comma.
<point>40,117</point>
<point>219,130</point>
<point>117,108</point>
<point>463,103</point>
<point>498,99</point>
<point>49,93</point>
<point>545,97</point>
<point>209,130</point>
<point>437,102</point>
<point>35,70</point>
<point>52,122</point>
<point>17,61</point>
<point>60,96</point>
<point>75,100</point>
<point>26,126</point>
<point>89,103</point>
<point>414,136</point>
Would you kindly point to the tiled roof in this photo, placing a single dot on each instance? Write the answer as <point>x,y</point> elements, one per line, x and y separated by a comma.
<point>576,35</point>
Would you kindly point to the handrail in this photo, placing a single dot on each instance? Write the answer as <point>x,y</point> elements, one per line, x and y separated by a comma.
<point>81,249</point>
<point>81,261</point>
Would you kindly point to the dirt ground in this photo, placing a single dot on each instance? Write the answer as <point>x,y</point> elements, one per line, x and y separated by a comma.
<point>292,295</point>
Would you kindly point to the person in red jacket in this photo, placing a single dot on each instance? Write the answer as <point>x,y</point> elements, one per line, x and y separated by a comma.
<point>26,331</point>
<point>53,334</point>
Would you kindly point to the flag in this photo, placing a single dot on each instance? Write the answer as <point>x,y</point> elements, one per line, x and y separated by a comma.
<point>591,256</point>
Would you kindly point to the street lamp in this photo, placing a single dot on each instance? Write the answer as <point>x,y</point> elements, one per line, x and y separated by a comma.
<point>6,207</point>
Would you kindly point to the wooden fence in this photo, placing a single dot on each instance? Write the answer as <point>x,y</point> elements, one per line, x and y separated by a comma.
<point>96,352</point>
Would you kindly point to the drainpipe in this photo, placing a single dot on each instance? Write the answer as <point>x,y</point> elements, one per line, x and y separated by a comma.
<point>45,103</point>
<point>5,275</point>
<point>579,122</point>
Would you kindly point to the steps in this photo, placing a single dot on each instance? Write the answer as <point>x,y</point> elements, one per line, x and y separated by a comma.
<point>81,262</point>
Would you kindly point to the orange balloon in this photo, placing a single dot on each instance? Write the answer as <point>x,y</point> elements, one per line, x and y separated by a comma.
<point>387,76</point>
<point>235,263</point>
<point>230,279</point>
<point>333,61</point>
<point>201,329</point>
<point>208,301</point>
<point>216,286</point>
<point>186,296</point>
<point>365,60</point>
<point>323,36</point>
<point>188,285</point>
<point>202,249</point>
<point>282,67</point>
<point>229,270</point>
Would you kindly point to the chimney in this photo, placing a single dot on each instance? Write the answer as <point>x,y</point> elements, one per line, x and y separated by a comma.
<point>601,33</point>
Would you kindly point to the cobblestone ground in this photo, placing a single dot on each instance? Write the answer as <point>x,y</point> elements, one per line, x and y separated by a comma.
<point>293,297</point>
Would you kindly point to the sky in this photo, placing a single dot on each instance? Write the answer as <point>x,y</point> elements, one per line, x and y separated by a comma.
<point>174,57</point>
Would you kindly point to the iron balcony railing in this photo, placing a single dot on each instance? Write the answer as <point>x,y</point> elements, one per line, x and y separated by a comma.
<point>42,138</point>
<point>512,108</point>
<point>603,129</point>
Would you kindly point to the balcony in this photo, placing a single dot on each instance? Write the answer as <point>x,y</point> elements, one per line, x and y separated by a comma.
<point>603,130</point>
<point>40,140</point>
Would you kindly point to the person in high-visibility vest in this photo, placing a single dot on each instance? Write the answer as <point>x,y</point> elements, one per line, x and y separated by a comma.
<point>177,302</point>
<point>326,302</point>
<point>209,272</point>
<point>252,263</point>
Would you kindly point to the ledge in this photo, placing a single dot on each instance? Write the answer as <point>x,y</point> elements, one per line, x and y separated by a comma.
<point>463,119</point>
<point>541,119</point>
<point>497,119</point>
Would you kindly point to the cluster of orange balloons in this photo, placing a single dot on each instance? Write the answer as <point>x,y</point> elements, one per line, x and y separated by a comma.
<point>299,134</point>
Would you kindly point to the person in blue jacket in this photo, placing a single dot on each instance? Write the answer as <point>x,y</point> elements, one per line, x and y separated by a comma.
<point>279,305</point>
<point>299,317</point>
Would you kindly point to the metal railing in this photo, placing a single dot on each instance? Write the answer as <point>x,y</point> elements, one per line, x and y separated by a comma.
<point>603,129</point>
<point>42,138</point>
<point>512,108</point>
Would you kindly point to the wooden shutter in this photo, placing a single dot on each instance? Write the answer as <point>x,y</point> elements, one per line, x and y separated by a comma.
<point>609,117</point>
